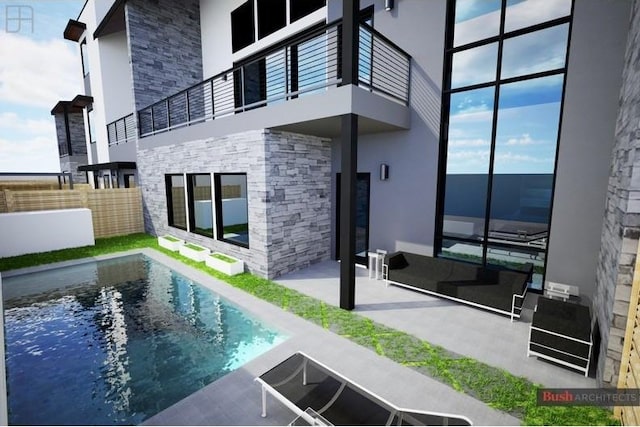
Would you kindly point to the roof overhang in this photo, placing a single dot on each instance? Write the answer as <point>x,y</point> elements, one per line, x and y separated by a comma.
<point>74,30</point>
<point>107,166</point>
<point>113,21</point>
<point>74,106</point>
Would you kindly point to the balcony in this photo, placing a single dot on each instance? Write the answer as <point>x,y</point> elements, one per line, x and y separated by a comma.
<point>289,77</point>
<point>122,135</point>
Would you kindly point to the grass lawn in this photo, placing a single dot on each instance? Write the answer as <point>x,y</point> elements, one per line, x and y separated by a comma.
<point>496,387</point>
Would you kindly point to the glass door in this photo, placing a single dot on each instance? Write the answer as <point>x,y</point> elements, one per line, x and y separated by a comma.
<point>362,217</point>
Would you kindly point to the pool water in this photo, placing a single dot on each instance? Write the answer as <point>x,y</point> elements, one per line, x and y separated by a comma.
<point>117,341</point>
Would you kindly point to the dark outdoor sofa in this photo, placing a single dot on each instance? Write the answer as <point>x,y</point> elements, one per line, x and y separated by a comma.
<point>502,291</point>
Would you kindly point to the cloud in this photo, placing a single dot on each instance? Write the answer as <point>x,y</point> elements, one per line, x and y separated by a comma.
<point>10,122</point>
<point>36,154</point>
<point>510,157</point>
<point>24,79</point>
<point>478,156</point>
<point>525,139</point>
<point>519,15</point>
<point>28,144</point>
<point>477,142</point>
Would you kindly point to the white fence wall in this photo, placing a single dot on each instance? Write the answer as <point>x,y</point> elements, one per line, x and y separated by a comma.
<point>43,231</point>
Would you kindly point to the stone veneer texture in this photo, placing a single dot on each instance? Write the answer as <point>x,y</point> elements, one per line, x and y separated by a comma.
<point>288,192</point>
<point>76,130</point>
<point>621,229</point>
<point>165,48</point>
<point>71,163</point>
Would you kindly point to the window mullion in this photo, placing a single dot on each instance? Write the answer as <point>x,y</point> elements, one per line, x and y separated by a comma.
<point>494,131</point>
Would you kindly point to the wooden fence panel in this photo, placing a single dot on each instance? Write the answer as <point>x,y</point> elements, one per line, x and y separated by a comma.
<point>3,203</point>
<point>115,212</point>
<point>630,365</point>
<point>42,200</point>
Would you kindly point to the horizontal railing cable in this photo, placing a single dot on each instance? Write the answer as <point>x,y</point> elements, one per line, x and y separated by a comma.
<point>308,63</point>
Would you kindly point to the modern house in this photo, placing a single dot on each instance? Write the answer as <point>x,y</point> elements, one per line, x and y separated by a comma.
<point>278,131</point>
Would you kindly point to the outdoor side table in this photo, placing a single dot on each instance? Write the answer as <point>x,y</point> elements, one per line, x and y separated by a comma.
<point>376,259</point>
<point>561,332</point>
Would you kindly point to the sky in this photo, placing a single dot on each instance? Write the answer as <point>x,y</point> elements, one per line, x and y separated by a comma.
<point>528,111</point>
<point>38,68</point>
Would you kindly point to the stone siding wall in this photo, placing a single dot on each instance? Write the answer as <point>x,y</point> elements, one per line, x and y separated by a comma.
<point>299,205</point>
<point>621,230</point>
<point>71,163</point>
<point>76,130</point>
<point>165,47</point>
<point>61,134</point>
<point>289,225</point>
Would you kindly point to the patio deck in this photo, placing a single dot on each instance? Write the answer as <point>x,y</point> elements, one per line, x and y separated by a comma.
<point>491,338</point>
<point>469,331</point>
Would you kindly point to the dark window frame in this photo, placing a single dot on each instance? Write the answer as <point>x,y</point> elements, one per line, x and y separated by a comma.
<point>191,217</point>
<point>219,225</point>
<point>449,51</point>
<point>169,197</point>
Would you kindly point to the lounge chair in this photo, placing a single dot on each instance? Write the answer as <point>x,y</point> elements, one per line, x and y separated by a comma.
<point>318,395</point>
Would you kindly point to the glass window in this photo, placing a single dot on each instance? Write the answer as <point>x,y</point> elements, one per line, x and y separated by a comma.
<point>276,76</point>
<point>524,13</point>
<point>469,135</point>
<point>242,26</point>
<point>527,128</point>
<point>232,209</point>
<point>515,258</point>
<point>312,64</point>
<point>468,155</point>
<point>176,209</point>
<point>462,251</point>
<point>500,159</point>
<point>272,16</point>
<point>535,52</point>
<point>365,59</point>
<point>302,8</point>
<point>472,66</point>
<point>92,132</point>
<point>85,57</point>
<point>476,20</point>
<point>200,204</point>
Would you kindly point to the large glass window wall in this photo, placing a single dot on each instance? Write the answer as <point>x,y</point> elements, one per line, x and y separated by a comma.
<point>502,105</point>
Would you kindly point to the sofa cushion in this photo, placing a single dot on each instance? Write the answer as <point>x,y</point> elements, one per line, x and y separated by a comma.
<point>396,261</point>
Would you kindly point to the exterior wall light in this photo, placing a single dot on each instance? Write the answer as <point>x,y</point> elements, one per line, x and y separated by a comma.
<point>384,172</point>
<point>388,5</point>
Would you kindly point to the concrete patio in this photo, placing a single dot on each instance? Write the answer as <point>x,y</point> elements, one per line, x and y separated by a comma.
<point>235,399</point>
<point>469,331</point>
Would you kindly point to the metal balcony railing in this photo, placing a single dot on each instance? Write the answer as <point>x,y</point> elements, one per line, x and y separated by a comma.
<point>122,130</point>
<point>307,64</point>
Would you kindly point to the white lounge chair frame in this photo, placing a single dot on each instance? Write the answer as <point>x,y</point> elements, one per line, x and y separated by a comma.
<point>300,412</point>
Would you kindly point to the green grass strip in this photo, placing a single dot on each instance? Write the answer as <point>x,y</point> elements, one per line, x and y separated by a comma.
<point>496,387</point>
<point>223,258</point>
<point>195,247</point>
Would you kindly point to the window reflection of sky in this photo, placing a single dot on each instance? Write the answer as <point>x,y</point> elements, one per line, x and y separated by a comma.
<point>540,51</point>
<point>528,118</point>
<point>480,19</point>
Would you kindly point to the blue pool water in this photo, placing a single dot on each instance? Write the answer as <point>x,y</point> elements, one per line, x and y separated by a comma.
<point>117,341</point>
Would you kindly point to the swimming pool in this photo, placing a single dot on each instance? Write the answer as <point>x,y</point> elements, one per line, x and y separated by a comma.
<point>117,341</point>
